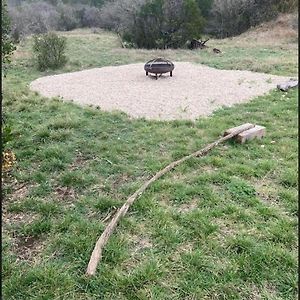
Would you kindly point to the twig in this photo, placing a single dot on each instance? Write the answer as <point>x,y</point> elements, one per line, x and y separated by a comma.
<point>97,252</point>
<point>109,215</point>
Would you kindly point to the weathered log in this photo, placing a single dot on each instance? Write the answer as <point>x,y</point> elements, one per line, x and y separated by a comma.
<point>97,252</point>
<point>195,44</point>
<point>288,85</point>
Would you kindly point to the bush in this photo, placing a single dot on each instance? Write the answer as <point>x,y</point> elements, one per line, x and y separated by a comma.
<point>165,24</point>
<point>50,51</point>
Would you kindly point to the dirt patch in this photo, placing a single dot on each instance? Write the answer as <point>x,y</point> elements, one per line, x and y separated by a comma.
<point>65,193</point>
<point>18,191</point>
<point>194,90</point>
<point>27,248</point>
<point>17,218</point>
<point>140,243</point>
<point>188,207</point>
<point>79,162</point>
<point>21,192</point>
<point>120,180</point>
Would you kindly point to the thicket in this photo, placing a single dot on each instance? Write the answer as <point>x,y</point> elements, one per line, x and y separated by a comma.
<point>41,17</point>
<point>146,23</point>
<point>156,23</point>
<point>50,51</point>
<point>232,17</point>
<point>166,24</point>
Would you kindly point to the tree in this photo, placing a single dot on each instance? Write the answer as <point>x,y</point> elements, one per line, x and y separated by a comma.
<point>192,20</point>
<point>148,25</point>
<point>205,6</point>
<point>166,24</point>
<point>7,46</point>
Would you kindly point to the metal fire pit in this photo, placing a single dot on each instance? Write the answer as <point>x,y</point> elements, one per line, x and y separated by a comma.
<point>159,66</point>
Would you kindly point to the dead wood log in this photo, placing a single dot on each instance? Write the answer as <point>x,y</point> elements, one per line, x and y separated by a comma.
<point>288,85</point>
<point>195,44</point>
<point>101,242</point>
<point>203,43</point>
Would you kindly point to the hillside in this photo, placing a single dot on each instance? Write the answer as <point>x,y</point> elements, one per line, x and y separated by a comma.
<point>283,30</point>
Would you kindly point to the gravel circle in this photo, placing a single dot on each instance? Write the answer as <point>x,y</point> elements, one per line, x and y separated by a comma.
<point>194,90</point>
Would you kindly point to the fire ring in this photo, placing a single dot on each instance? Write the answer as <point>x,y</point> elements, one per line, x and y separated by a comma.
<point>159,66</point>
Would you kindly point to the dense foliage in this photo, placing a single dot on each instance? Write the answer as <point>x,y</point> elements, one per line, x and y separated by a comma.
<point>40,17</point>
<point>146,23</point>
<point>50,51</point>
<point>164,24</point>
<point>233,17</point>
<point>7,46</point>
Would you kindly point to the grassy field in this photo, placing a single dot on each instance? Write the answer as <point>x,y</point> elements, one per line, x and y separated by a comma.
<point>219,227</point>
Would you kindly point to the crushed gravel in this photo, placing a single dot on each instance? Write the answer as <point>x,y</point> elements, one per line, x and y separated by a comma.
<point>194,90</point>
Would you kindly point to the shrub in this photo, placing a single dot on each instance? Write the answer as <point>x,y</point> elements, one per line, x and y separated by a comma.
<point>50,51</point>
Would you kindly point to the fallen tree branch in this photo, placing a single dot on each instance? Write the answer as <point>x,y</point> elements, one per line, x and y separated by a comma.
<point>97,252</point>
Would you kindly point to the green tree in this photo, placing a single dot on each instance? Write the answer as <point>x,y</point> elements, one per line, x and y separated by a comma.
<point>148,24</point>
<point>161,24</point>
<point>7,46</point>
<point>205,6</point>
<point>192,20</point>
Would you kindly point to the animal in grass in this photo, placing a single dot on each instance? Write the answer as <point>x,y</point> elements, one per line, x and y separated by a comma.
<point>215,50</point>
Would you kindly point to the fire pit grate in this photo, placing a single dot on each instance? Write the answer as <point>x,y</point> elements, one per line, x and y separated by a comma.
<point>159,66</point>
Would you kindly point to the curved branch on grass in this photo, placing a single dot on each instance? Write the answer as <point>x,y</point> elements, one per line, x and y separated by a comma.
<point>97,252</point>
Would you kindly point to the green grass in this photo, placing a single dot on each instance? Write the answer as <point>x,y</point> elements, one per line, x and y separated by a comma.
<point>219,227</point>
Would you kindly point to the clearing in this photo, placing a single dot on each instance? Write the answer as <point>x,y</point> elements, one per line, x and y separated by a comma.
<point>220,227</point>
<point>194,90</point>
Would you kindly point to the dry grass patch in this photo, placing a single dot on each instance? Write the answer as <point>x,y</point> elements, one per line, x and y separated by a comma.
<point>188,207</point>
<point>276,32</point>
